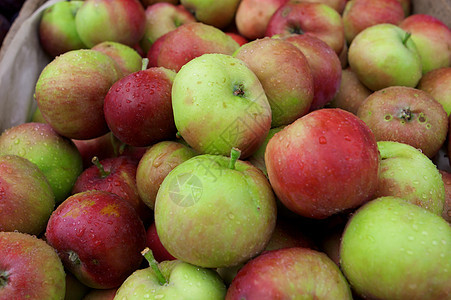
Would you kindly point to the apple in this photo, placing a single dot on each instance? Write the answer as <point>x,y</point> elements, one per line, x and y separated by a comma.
<point>127,58</point>
<point>316,19</point>
<point>26,198</point>
<point>438,84</point>
<point>392,249</point>
<point>102,147</point>
<point>219,104</point>
<point>96,294</point>
<point>116,175</point>
<point>432,38</point>
<point>153,242</point>
<point>241,40</point>
<point>258,158</point>
<point>138,107</point>
<point>338,5</point>
<point>155,165</point>
<point>71,89</point>
<point>29,268</point>
<point>188,41</point>
<point>162,18</point>
<point>98,237</point>
<point>290,273</point>
<point>323,163</point>
<point>384,55</point>
<point>406,6</point>
<point>222,207</point>
<point>446,176</point>
<point>216,13</point>
<point>57,157</point>
<point>172,280</point>
<point>75,290</point>
<point>148,3</point>
<point>324,65</point>
<point>122,21</point>
<point>406,115</point>
<point>361,14</point>
<point>400,176</point>
<point>351,93</point>
<point>57,32</point>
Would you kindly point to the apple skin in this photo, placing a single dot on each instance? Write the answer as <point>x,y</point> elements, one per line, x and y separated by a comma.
<point>338,5</point>
<point>162,18</point>
<point>386,256</point>
<point>406,115</point>
<point>446,176</point>
<point>382,55</point>
<point>153,242</point>
<point>27,200</point>
<point>122,21</point>
<point>285,75</point>
<point>361,14</point>
<point>102,147</point>
<point>290,273</point>
<point>156,164</point>
<point>29,268</point>
<point>184,281</point>
<point>188,41</point>
<point>324,65</point>
<point>75,290</point>
<point>432,38</point>
<point>233,210</point>
<point>147,3</point>
<point>127,58</point>
<point>399,176</point>
<point>57,32</point>
<point>316,19</point>
<point>96,294</point>
<point>96,231</point>
<point>218,104</point>
<point>258,158</point>
<point>71,89</point>
<point>351,93</point>
<point>57,157</point>
<point>241,40</point>
<point>216,13</point>
<point>138,107</point>
<point>325,162</point>
<point>438,83</point>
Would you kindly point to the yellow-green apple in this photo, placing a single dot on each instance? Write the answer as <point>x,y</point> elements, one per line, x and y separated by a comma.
<point>407,173</point>
<point>252,16</point>
<point>446,176</point>
<point>285,75</point>
<point>57,32</point>
<point>351,93</point>
<point>188,41</point>
<point>154,244</point>
<point>432,38</point>
<point>316,19</point>
<point>338,5</point>
<point>392,249</point>
<point>219,199</point>
<point>173,279</point>
<point>155,165</point>
<point>71,89</point>
<point>324,65</point>
<point>258,157</point>
<point>57,157</point>
<point>384,55</point>
<point>406,115</point>
<point>290,273</point>
<point>122,21</point>
<point>438,83</point>
<point>361,14</point>
<point>216,13</point>
<point>160,19</point>
<point>127,58</point>
<point>323,163</point>
<point>26,198</point>
<point>29,268</point>
<point>219,104</point>
<point>116,175</point>
<point>98,237</point>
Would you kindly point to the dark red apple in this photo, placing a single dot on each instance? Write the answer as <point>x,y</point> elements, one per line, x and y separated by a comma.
<point>153,242</point>
<point>102,147</point>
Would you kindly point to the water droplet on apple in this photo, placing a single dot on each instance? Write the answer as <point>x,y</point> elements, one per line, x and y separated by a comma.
<point>322,140</point>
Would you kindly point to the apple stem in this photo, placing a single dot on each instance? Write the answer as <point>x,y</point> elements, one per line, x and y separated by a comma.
<point>96,162</point>
<point>405,114</point>
<point>406,37</point>
<point>3,278</point>
<point>234,156</point>
<point>147,253</point>
<point>145,64</point>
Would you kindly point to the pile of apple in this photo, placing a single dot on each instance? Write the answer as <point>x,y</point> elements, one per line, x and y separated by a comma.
<point>253,149</point>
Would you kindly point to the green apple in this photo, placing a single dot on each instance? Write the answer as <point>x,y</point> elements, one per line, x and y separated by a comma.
<point>213,211</point>
<point>213,12</point>
<point>407,173</point>
<point>384,55</point>
<point>173,279</point>
<point>127,58</point>
<point>218,104</point>
<point>392,249</point>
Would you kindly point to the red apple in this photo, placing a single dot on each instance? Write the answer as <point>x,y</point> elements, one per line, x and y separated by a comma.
<point>438,83</point>
<point>325,162</point>
<point>241,40</point>
<point>338,5</point>
<point>147,3</point>
<point>153,242</point>
<point>102,147</point>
